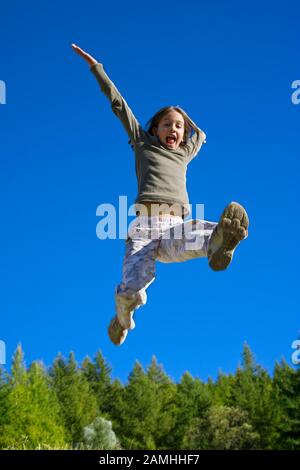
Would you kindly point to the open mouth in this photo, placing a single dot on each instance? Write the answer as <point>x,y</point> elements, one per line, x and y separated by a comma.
<point>171,140</point>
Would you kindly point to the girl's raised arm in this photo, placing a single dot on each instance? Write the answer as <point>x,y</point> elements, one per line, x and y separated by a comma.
<point>118,103</point>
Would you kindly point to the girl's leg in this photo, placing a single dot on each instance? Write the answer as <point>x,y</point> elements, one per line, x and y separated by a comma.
<point>137,274</point>
<point>201,238</point>
<point>187,241</point>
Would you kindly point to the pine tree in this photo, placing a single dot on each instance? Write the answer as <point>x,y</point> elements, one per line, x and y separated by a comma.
<point>98,376</point>
<point>192,402</point>
<point>31,419</point>
<point>165,391</point>
<point>221,391</point>
<point>287,397</point>
<point>252,391</point>
<point>139,413</point>
<point>4,391</point>
<point>116,406</point>
<point>78,404</point>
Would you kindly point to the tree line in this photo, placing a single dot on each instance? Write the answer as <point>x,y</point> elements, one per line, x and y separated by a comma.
<point>79,406</point>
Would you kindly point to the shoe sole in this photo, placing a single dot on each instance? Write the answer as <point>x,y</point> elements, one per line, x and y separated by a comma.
<point>234,222</point>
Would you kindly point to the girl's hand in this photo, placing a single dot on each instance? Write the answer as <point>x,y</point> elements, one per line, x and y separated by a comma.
<point>87,57</point>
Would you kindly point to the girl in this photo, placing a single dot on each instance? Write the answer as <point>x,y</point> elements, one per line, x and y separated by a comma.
<point>162,153</point>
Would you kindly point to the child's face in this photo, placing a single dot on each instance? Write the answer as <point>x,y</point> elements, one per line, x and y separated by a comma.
<point>170,130</point>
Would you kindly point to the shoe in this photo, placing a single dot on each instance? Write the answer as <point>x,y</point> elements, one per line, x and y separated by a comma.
<point>117,332</point>
<point>231,229</point>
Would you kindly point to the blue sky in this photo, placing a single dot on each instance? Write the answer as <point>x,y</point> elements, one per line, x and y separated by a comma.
<point>230,65</point>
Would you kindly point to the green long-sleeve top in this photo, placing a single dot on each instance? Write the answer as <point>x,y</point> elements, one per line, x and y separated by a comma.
<point>161,172</point>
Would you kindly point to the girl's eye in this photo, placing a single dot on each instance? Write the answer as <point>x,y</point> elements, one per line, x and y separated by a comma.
<point>178,125</point>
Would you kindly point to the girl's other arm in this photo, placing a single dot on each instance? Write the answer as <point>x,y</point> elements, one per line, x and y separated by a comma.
<point>195,142</point>
<point>118,103</point>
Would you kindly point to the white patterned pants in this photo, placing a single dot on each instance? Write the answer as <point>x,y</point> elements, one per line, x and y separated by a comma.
<point>167,239</point>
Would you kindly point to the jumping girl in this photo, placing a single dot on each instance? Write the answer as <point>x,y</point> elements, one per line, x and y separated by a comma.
<point>162,152</point>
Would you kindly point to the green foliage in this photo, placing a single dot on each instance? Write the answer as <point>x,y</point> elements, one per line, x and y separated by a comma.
<point>31,414</point>
<point>78,403</point>
<point>252,391</point>
<point>99,435</point>
<point>81,407</point>
<point>222,428</point>
<point>140,409</point>
<point>192,401</point>
<point>287,397</point>
<point>97,374</point>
